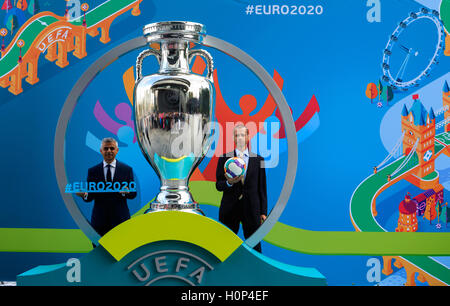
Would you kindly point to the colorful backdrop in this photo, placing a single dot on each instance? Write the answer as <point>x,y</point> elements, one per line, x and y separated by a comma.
<point>353,73</point>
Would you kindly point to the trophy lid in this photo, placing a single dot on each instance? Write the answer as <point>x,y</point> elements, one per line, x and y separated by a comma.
<point>174,31</point>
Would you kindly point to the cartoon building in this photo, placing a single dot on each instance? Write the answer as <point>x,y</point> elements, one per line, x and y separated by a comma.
<point>430,209</point>
<point>407,221</point>
<point>417,123</point>
<point>439,191</point>
<point>429,198</point>
<point>22,4</point>
<point>7,5</point>
<point>421,203</point>
<point>446,102</point>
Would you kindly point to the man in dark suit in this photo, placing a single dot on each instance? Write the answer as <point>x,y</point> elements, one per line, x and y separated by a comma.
<point>245,197</point>
<point>110,208</point>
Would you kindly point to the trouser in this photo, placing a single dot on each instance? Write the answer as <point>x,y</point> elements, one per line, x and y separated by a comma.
<point>242,214</point>
<point>104,227</point>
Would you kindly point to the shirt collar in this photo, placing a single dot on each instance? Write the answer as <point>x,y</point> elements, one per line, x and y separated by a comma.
<point>113,163</point>
<point>245,152</point>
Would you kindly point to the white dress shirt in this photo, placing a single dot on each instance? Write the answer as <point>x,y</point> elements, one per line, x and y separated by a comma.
<point>113,168</point>
<point>244,155</point>
<point>105,170</point>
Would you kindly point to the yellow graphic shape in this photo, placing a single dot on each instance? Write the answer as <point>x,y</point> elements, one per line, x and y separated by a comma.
<point>171,225</point>
<point>173,160</point>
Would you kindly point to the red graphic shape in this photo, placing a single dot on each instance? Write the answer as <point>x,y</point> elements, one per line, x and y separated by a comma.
<point>311,109</point>
<point>224,114</point>
<point>247,104</point>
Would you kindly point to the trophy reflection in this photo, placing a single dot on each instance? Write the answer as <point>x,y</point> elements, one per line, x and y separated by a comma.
<point>173,111</point>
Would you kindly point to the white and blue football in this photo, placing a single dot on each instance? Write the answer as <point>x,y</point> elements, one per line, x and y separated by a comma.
<point>234,167</point>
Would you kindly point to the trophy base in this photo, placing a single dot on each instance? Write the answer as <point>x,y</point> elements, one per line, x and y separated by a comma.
<point>189,208</point>
<point>178,199</point>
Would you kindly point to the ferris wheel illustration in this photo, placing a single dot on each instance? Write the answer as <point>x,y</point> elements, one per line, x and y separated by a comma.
<point>396,78</point>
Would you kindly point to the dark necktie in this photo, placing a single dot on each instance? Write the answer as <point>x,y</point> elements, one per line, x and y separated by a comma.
<point>108,173</point>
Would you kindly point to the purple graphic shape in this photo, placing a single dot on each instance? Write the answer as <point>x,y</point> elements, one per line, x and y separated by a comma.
<point>105,120</point>
<point>122,111</point>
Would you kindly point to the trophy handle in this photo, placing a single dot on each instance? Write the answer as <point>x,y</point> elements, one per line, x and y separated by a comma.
<point>141,57</point>
<point>209,60</point>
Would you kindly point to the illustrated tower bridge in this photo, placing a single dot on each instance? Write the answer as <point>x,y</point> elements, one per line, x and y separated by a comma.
<point>423,139</point>
<point>56,36</point>
<point>425,135</point>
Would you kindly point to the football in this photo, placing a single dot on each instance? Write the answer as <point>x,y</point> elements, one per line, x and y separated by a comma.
<point>234,167</point>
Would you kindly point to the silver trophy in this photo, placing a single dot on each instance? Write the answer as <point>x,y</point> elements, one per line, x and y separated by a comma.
<point>173,111</point>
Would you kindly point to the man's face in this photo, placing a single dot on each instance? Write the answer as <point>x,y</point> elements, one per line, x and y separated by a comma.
<point>109,151</point>
<point>240,137</point>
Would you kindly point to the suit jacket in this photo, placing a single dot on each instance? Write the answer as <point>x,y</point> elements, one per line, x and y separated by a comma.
<point>254,189</point>
<point>110,208</point>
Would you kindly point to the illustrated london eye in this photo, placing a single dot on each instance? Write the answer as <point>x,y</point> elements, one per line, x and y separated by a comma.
<point>403,76</point>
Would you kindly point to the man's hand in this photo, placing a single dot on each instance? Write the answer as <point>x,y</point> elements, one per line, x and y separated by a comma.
<point>81,194</point>
<point>232,181</point>
<point>263,218</point>
<point>125,191</point>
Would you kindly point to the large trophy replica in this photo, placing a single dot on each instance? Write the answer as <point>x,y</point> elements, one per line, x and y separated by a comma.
<point>173,111</point>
